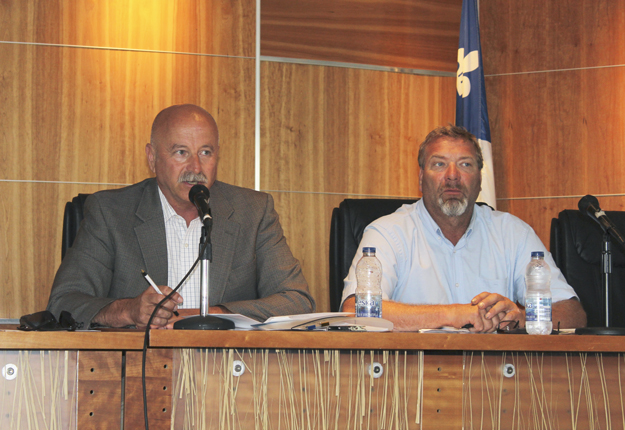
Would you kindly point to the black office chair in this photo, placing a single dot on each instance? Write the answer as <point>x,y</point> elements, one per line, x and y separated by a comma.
<point>72,217</point>
<point>348,223</point>
<point>576,245</point>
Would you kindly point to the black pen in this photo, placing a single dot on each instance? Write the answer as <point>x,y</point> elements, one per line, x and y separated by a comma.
<point>151,282</point>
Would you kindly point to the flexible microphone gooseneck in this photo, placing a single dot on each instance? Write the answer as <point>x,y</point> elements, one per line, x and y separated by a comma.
<point>589,205</point>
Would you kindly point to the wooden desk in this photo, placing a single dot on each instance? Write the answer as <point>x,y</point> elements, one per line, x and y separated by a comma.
<point>430,381</point>
<point>311,379</point>
<point>68,380</point>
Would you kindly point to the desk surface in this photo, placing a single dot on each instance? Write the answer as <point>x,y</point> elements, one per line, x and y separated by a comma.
<point>133,340</point>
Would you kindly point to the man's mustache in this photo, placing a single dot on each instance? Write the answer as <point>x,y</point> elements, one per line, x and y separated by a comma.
<point>192,177</point>
<point>456,186</point>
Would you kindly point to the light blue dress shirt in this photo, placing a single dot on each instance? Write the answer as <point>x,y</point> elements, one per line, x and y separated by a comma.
<point>421,266</point>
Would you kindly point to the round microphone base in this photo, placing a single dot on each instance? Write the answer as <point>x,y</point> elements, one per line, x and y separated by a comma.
<point>207,322</point>
<point>603,331</point>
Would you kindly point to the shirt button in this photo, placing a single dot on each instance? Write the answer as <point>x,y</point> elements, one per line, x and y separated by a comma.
<point>186,245</point>
<point>457,285</point>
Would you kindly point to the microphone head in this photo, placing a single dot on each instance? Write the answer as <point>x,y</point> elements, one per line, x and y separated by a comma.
<point>588,202</point>
<point>196,190</point>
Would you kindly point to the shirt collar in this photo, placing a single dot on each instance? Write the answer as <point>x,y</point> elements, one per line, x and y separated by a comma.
<point>168,210</point>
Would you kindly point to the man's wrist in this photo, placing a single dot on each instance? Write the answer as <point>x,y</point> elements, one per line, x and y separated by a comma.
<point>115,314</point>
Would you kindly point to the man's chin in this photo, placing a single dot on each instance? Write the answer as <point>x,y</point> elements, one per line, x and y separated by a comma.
<point>453,207</point>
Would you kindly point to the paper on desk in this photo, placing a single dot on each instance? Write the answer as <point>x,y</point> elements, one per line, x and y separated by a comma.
<point>325,321</point>
<point>444,330</point>
<point>305,317</point>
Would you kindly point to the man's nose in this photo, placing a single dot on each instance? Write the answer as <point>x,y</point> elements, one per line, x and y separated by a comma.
<point>452,172</point>
<point>194,164</point>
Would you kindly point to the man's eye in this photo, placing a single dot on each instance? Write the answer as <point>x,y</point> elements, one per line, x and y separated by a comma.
<point>206,153</point>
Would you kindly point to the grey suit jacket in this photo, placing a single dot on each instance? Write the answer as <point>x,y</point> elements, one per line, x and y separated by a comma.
<point>253,271</point>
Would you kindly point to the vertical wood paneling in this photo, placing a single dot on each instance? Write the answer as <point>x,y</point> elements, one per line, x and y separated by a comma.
<point>198,26</point>
<point>305,218</point>
<point>418,34</point>
<point>558,133</point>
<point>327,129</point>
<point>83,111</point>
<point>530,35</point>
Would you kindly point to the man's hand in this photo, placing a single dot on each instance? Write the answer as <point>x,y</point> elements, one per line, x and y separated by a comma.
<point>137,311</point>
<point>500,307</point>
<point>145,303</point>
<point>460,315</point>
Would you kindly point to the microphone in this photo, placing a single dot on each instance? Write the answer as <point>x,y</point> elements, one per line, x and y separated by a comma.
<point>200,196</point>
<point>589,205</point>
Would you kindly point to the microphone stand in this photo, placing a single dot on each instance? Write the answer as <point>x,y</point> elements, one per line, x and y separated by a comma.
<point>606,272</point>
<point>204,321</point>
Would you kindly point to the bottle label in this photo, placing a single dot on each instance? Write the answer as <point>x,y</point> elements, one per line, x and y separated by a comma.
<point>369,305</point>
<point>538,309</point>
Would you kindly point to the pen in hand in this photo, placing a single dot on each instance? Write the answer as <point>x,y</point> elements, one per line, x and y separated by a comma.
<point>151,282</point>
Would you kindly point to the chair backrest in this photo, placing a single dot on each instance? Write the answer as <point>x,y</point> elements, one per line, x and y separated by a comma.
<point>348,223</point>
<point>72,217</point>
<point>576,245</point>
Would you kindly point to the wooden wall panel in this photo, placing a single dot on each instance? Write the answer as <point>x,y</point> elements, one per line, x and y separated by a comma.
<point>558,133</point>
<point>530,35</point>
<point>336,130</point>
<point>82,111</point>
<point>418,34</point>
<point>197,26</point>
<point>305,218</point>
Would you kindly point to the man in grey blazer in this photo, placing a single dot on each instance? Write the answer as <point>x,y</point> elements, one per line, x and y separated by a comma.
<point>139,227</point>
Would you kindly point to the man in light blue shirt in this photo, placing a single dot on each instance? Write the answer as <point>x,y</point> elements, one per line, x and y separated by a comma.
<point>449,262</point>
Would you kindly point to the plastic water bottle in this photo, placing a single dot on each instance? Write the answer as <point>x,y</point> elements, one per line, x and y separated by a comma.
<point>538,295</point>
<point>368,285</point>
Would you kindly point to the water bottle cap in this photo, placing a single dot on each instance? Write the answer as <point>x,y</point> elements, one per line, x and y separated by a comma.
<point>368,249</point>
<point>539,254</point>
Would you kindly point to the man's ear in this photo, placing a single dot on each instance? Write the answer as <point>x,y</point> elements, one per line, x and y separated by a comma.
<point>421,180</point>
<point>150,153</point>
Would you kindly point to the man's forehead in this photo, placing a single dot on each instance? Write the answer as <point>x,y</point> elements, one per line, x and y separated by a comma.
<point>445,147</point>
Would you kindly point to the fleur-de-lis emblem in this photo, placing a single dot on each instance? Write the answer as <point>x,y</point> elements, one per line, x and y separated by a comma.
<point>465,65</point>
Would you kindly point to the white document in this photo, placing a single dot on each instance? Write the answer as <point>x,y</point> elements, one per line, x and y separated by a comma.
<point>326,321</point>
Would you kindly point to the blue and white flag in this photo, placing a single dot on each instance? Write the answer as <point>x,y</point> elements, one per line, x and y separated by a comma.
<point>471,111</point>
